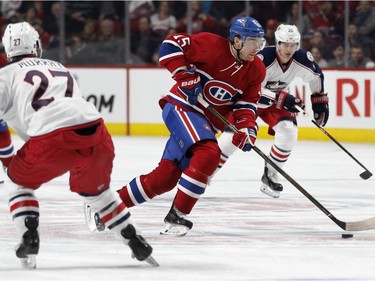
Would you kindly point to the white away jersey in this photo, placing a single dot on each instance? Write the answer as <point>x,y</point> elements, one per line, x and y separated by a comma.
<point>39,96</point>
<point>278,76</point>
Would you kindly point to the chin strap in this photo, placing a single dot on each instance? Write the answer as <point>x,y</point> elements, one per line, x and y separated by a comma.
<point>238,52</point>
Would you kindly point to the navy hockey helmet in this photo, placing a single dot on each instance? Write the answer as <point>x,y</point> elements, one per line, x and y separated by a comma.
<point>245,27</point>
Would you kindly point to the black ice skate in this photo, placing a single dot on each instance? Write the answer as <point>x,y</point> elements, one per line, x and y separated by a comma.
<point>29,246</point>
<point>141,249</point>
<point>176,223</point>
<point>270,185</point>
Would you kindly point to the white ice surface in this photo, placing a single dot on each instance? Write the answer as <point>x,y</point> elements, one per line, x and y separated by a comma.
<point>239,233</point>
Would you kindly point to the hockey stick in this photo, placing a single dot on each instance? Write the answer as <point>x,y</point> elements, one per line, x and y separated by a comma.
<point>366,174</point>
<point>348,226</point>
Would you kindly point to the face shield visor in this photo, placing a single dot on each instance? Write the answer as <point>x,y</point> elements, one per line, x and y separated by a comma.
<point>254,43</point>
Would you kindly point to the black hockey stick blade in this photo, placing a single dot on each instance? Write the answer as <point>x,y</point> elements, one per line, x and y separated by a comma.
<point>366,175</point>
<point>348,226</point>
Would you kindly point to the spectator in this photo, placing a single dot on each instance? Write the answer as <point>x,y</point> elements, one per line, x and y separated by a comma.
<point>76,51</point>
<point>138,9</point>
<point>225,12</point>
<point>30,14</point>
<point>357,58</point>
<point>48,40</point>
<point>11,9</point>
<point>338,60</point>
<point>145,43</point>
<point>356,38</point>
<point>89,32</point>
<point>109,49</point>
<point>52,21</point>
<point>271,27</point>
<point>325,17</point>
<point>163,20</point>
<point>77,12</point>
<point>200,21</point>
<point>317,54</point>
<point>318,40</point>
<point>365,19</point>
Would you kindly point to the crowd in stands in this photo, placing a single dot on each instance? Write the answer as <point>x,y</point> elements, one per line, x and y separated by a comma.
<point>94,30</point>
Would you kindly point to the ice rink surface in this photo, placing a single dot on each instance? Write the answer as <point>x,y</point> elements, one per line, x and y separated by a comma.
<point>239,233</point>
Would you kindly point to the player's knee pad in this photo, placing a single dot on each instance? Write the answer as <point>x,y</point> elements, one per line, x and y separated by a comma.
<point>163,179</point>
<point>286,134</point>
<point>206,158</point>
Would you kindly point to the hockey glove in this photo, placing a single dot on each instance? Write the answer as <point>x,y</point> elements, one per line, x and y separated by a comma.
<point>245,139</point>
<point>320,108</point>
<point>188,82</point>
<point>288,102</point>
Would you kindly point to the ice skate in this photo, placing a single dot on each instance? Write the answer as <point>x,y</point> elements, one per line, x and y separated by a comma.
<point>29,246</point>
<point>2,175</point>
<point>270,184</point>
<point>93,221</point>
<point>176,223</point>
<point>141,250</point>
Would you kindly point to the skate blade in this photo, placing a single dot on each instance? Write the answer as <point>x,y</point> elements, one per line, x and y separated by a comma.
<point>273,193</point>
<point>89,218</point>
<point>174,230</point>
<point>29,262</point>
<point>150,260</point>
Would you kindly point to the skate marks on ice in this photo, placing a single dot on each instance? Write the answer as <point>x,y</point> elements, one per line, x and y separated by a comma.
<point>238,233</point>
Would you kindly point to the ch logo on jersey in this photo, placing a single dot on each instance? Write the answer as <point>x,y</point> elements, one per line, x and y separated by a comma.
<point>218,92</point>
<point>276,85</point>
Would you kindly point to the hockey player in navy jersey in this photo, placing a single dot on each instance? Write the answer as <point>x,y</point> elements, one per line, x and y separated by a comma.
<point>283,62</point>
<point>63,132</point>
<point>228,75</point>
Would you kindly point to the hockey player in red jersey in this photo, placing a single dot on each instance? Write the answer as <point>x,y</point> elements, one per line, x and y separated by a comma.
<point>6,147</point>
<point>284,62</point>
<point>228,75</point>
<point>6,144</point>
<point>63,133</point>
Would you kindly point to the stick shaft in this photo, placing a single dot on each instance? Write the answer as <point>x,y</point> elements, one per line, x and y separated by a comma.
<point>335,141</point>
<point>351,226</point>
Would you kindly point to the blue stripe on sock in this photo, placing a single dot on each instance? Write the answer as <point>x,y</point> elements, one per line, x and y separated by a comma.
<point>192,187</point>
<point>136,192</point>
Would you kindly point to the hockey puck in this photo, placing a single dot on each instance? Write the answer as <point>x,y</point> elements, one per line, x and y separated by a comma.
<point>346,235</point>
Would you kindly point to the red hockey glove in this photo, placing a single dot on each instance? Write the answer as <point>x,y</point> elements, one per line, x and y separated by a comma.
<point>245,138</point>
<point>288,102</point>
<point>188,82</point>
<point>320,108</point>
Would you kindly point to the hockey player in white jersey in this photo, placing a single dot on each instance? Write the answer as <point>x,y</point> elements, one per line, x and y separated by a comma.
<point>276,107</point>
<point>63,132</point>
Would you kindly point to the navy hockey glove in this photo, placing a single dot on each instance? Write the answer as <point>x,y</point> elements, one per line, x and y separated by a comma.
<point>320,108</point>
<point>288,102</point>
<point>188,82</point>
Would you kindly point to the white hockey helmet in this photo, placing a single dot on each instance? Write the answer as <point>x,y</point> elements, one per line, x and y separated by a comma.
<point>288,34</point>
<point>21,39</point>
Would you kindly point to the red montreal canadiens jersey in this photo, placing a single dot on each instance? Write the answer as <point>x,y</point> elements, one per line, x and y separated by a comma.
<point>228,85</point>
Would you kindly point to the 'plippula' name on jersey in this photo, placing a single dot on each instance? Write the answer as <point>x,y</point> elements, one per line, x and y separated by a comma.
<point>35,62</point>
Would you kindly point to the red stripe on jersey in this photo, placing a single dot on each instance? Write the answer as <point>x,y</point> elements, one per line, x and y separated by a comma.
<point>26,203</point>
<point>114,213</point>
